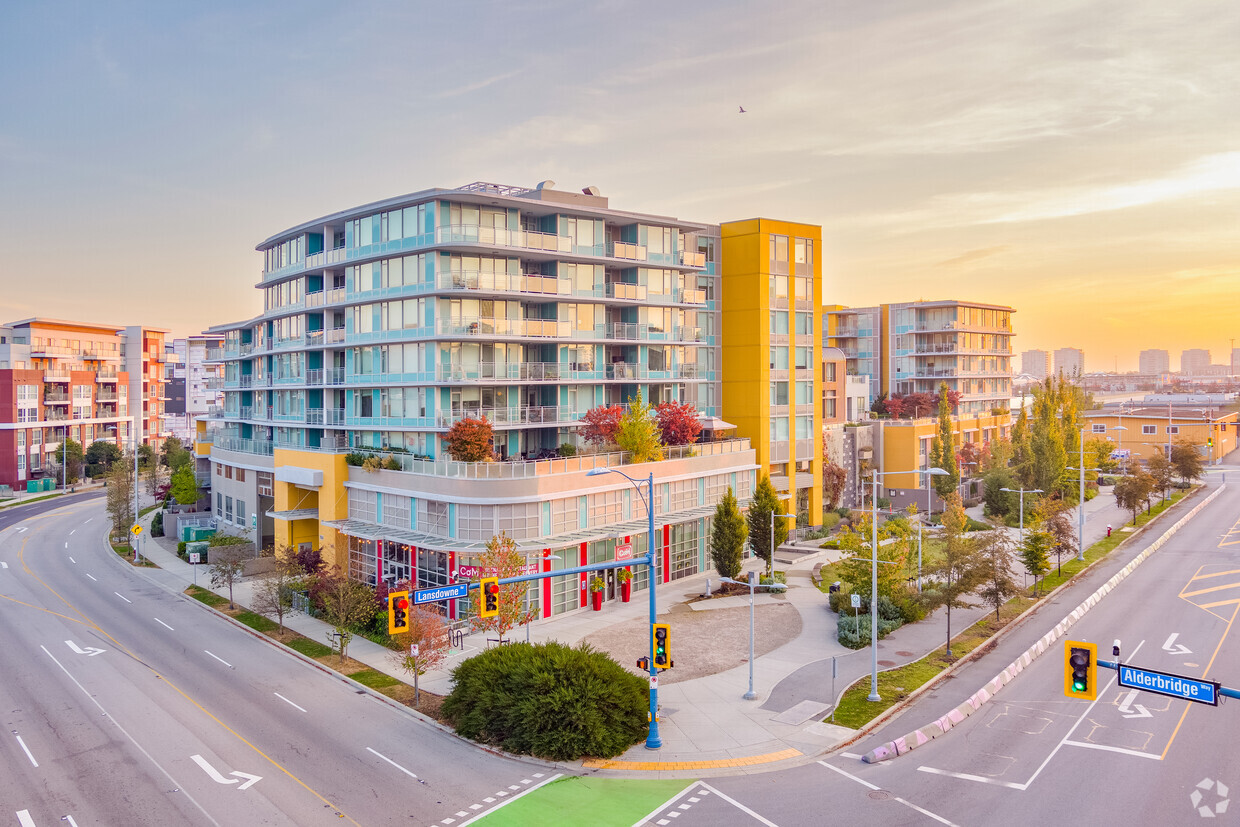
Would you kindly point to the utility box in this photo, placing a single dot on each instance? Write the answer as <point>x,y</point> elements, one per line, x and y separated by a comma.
<point>33,486</point>
<point>48,483</point>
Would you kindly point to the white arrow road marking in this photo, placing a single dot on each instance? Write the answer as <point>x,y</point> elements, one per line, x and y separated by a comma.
<point>220,659</point>
<point>393,763</point>
<point>1126,708</point>
<point>89,650</point>
<point>26,750</point>
<point>87,520</point>
<point>70,821</point>
<point>21,528</point>
<point>66,544</point>
<point>165,625</point>
<point>92,577</point>
<point>287,701</point>
<point>219,779</point>
<point>24,819</point>
<point>122,597</point>
<point>1176,648</point>
<point>71,532</point>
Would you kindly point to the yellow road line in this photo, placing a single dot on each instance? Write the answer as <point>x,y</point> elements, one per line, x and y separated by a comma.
<point>1188,705</point>
<point>21,555</point>
<point>1220,603</point>
<point>769,757</point>
<point>1211,589</point>
<point>1215,574</point>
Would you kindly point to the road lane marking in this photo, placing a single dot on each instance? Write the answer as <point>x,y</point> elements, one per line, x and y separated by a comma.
<point>71,533</point>
<point>1215,574</point>
<point>290,703</point>
<point>3,565</point>
<point>90,651</point>
<point>26,750</point>
<point>218,658</point>
<point>969,777</point>
<point>165,625</point>
<point>66,544</point>
<point>122,597</point>
<point>24,819</point>
<point>69,819</point>
<point>510,799</point>
<point>71,560</point>
<point>1211,589</point>
<point>92,577</point>
<point>862,782</point>
<point>1189,706</point>
<point>251,780</point>
<point>87,520</point>
<point>381,755</point>
<point>1106,748</point>
<point>21,529</point>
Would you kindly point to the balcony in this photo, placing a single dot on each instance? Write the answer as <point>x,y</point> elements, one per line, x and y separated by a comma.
<point>547,415</point>
<point>624,250</point>
<point>623,290</point>
<point>333,336</point>
<point>527,239</point>
<point>246,446</point>
<point>105,396</point>
<point>844,333</point>
<point>56,376</point>
<point>689,258</point>
<point>550,328</point>
<point>325,376</point>
<point>55,416</point>
<point>325,416</point>
<point>55,397</point>
<point>692,296</point>
<point>504,283</point>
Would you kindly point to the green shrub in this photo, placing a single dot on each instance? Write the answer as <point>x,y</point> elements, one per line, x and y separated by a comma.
<point>181,548</point>
<point>568,449</point>
<point>855,632</point>
<point>976,525</point>
<point>216,540</point>
<point>830,544</point>
<point>841,601</point>
<point>550,700</point>
<point>843,512</point>
<point>884,502</point>
<point>157,525</point>
<point>355,458</point>
<point>391,463</point>
<point>830,520</point>
<point>911,609</point>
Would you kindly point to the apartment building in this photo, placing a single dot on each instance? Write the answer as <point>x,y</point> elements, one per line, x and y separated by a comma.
<point>1069,362</point>
<point>193,387</point>
<point>384,324</point>
<point>1035,363</point>
<point>144,356</point>
<point>57,379</point>
<point>773,380</point>
<point>1195,362</point>
<point>1153,362</point>
<point>922,345</point>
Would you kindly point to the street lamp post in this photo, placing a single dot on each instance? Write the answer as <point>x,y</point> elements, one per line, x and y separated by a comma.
<point>929,472</point>
<point>874,696</point>
<point>752,583</point>
<point>1022,492</point>
<point>653,741</point>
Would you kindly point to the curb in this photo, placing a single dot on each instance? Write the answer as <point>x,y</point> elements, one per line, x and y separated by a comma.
<point>358,687</point>
<point>944,724</point>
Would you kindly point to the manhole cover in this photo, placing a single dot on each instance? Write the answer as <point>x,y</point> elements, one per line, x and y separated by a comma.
<point>905,654</point>
<point>879,795</point>
<point>886,663</point>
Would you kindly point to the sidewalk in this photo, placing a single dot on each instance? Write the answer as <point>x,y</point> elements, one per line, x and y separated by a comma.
<point>705,723</point>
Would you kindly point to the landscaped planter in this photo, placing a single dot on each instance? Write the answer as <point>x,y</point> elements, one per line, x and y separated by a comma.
<point>596,601</point>
<point>626,590</point>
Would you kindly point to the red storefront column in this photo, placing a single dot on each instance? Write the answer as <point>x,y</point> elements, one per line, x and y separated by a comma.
<point>583,576</point>
<point>667,552</point>
<point>546,584</point>
<point>452,577</point>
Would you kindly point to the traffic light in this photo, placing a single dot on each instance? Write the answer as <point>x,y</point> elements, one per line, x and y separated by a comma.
<point>489,604</point>
<point>662,634</point>
<point>1080,670</point>
<point>1209,442</point>
<point>643,664</point>
<point>398,615</point>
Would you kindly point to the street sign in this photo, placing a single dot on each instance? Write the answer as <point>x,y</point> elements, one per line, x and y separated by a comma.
<point>1163,683</point>
<point>624,551</point>
<point>856,601</point>
<point>413,649</point>
<point>654,681</point>
<point>441,593</point>
<point>194,558</point>
<point>136,530</point>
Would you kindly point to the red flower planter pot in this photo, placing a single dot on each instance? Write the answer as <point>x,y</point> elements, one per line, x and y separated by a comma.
<point>626,590</point>
<point>596,600</point>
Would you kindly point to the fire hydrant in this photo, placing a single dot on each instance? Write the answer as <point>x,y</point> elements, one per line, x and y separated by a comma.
<point>1108,531</point>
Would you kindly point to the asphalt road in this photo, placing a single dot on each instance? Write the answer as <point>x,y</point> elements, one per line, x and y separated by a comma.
<point>125,703</point>
<point>1033,756</point>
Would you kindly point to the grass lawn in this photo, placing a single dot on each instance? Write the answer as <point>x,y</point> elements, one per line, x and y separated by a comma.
<point>373,679</point>
<point>204,596</point>
<point>148,510</point>
<point>309,648</point>
<point>854,711</point>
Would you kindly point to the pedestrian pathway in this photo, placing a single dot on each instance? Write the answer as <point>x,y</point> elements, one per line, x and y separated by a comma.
<point>705,724</point>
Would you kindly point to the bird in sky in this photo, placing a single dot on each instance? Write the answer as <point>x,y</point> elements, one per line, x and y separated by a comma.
<point>742,110</point>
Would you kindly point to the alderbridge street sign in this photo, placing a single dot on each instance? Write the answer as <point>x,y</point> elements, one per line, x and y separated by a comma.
<point>1176,686</point>
<point>440,593</point>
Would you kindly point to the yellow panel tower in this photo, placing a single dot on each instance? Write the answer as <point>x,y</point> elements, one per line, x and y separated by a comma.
<point>772,352</point>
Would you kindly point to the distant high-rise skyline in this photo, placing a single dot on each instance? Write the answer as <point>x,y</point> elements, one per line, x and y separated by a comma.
<point>1154,361</point>
<point>1036,363</point>
<point>1195,361</point>
<point>1070,361</point>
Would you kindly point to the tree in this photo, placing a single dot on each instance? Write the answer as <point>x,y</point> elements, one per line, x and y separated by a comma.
<point>1048,456</point>
<point>894,407</point>
<point>638,432</point>
<point>834,478</point>
<point>970,455</point>
<point>994,554</point>
<point>146,455</point>
<point>73,465</point>
<point>1034,553</point>
<point>103,452</point>
<point>1022,453</point>
<point>184,485</point>
<point>1055,518</point>
<point>942,450</point>
<point>273,594</point>
<point>727,536</point>
<point>599,424</point>
<point>470,440</point>
<point>227,563</point>
<point>424,647</point>
<point>1098,454</point>
<point>678,423</point>
<point>959,570</point>
<point>346,605</point>
<point>999,503</point>
<point>1187,461</point>
<point>893,556</point>
<point>1132,491</point>
<point>502,559</point>
<point>120,495</point>
<point>1161,471</point>
<point>174,455</point>
<point>764,503</point>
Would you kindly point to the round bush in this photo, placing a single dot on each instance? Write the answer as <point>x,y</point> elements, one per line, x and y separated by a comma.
<point>855,633</point>
<point>549,700</point>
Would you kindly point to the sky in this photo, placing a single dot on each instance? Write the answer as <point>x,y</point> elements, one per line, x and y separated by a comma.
<point>1079,161</point>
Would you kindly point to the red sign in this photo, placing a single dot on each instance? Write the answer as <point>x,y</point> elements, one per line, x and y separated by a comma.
<point>624,551</point>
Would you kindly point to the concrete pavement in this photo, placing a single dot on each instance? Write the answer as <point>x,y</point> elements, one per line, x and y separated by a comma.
<point>705,723</point>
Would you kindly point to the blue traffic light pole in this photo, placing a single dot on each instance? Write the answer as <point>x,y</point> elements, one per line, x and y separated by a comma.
<point>653,741</point>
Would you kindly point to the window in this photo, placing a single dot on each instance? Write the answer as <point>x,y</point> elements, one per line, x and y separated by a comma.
<point>228,508</point>
<point>240,475</point>
<point>1098,429</point>
<point>1173,429</point>
<point>241,512</point>
<point>1149,430</point>
<point>606,507</point>
<point>683,551</point>
<point>363,505</point>
<point>396,511</point>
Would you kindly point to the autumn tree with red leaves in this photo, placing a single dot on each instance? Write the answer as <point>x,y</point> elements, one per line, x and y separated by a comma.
<point>470,440</point>
<point>599,424</point>
<point>678,423</point>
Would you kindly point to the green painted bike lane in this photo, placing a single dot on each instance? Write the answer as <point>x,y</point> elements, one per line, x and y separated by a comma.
<point>599,802</point>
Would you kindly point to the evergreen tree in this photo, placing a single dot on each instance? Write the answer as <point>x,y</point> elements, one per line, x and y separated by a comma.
<point>1035,553</point>
<point>727,536</point>
<point>995,559</point>
<point>943,450</point>
<point>1048,457</point>
<point>184,486</point>
<point>765,502</point>
<point>1022,461</point>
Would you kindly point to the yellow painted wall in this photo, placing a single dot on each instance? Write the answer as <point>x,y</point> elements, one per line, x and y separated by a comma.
<point>331,500</point>
<point>746,322</point>
<point>902,442</point>
<point>1221,430</point>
